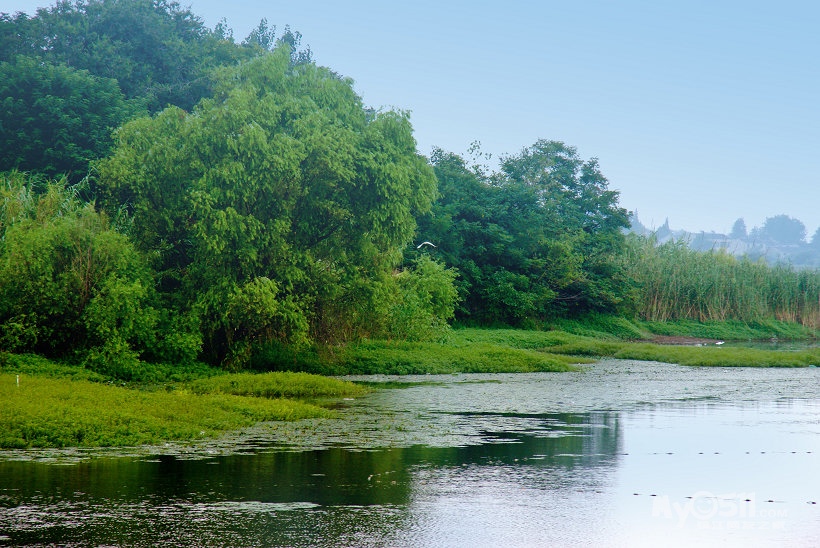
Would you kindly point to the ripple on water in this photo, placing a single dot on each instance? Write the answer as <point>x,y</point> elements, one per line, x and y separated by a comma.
<point>457,460</point>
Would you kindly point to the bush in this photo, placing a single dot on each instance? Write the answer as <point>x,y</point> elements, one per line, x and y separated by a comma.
<point>71,285</point>
<point>425,301</point>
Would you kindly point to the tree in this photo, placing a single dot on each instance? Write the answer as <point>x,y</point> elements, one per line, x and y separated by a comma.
<point>815,240</point>
<point>537,239</point>
<point>580,225</point>
<point>739,230</point>
<point>782,229</point>
<point>282,194</point>
<point>263,36</point>
<point>71,285</point>
<point>77,70</point>
<point>55,119</point>
<point>157,51</point>
<point>464,224</point>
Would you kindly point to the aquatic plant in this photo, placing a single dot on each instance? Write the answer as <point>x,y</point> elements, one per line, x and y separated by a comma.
<point>277,384</point>
<point>675,282</point>
<point>47,412</point>
<point>684,354</point>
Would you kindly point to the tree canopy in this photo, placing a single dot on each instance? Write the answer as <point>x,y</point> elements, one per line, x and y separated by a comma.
<point>242,198</point>
<point>782,229</point>
<point>76,71</point>
<point>534,240</point>
<point>281,193</point>
<point>55,119</point>
<point>156,50</point>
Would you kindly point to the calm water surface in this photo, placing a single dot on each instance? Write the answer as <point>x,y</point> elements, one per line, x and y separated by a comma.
<point>621,454</point>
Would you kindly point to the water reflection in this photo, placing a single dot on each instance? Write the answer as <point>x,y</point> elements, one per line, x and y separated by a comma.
<point>649,455</point>
<point>345,496</point>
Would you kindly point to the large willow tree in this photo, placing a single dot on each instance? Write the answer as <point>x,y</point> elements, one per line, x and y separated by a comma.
<point>275,211</point>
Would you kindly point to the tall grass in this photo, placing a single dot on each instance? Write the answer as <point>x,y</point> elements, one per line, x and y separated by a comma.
<point>675,282</point>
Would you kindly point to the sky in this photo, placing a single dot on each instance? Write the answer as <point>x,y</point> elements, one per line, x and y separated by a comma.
<point>699,112</point>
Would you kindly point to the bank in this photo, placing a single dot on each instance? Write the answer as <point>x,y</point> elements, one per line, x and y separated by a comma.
<point>50,404</point>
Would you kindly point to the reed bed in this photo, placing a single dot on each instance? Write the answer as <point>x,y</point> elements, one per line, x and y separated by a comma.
<point>675,282</point>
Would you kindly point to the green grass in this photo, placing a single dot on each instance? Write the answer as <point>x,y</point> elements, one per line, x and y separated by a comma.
<point>731,330</point>
<point>276,385</point>
<point>718,356</point>
<point>59,405</point>
<point>575,345</point>
<point>31,364</point>
<point>48,412</point>
<point>401,358</point>
<point>147,375</point>
<point>477,350</point>
<point>463,351</point>
<point>602,327</point>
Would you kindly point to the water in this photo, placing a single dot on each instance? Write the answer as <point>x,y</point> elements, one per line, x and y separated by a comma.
<point>621,454</point>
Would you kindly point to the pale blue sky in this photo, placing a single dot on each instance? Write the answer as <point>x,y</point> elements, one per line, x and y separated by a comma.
<point>699,111</point>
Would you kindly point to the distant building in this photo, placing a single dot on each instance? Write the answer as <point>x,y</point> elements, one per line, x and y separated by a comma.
<point>798,255</point>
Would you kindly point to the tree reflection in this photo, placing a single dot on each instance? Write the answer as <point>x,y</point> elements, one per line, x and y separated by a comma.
<point>335,496</point>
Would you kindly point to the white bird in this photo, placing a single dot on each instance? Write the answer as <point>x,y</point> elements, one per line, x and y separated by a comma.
<point>719,343</point>
<point>422,244</point>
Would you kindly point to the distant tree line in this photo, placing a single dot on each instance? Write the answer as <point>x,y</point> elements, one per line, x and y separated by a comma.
<point>776,230</point>
<point>168,194</point>
<point>781,239</point>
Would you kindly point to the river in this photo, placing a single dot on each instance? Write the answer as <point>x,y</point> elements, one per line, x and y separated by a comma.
<point>621,453</point>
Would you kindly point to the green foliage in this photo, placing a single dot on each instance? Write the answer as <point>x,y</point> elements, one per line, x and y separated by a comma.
<point>252,314</point>
<point>46,412</point>
<point>267,218</point>
<point>159,52</point>
<point>56,119</point>
<point>282,197</point>
<point>676,283</point>
<point>71,285</point>
<point>536,240</point>
<point>277,385</point>
<point>64,274</point>
<point>77,70</point>
<point>424,303</point>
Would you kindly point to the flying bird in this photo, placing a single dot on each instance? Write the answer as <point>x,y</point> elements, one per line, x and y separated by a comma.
<point>422,244</point>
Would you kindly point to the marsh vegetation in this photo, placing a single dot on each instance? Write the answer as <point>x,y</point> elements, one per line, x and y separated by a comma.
<point>236,208</point>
